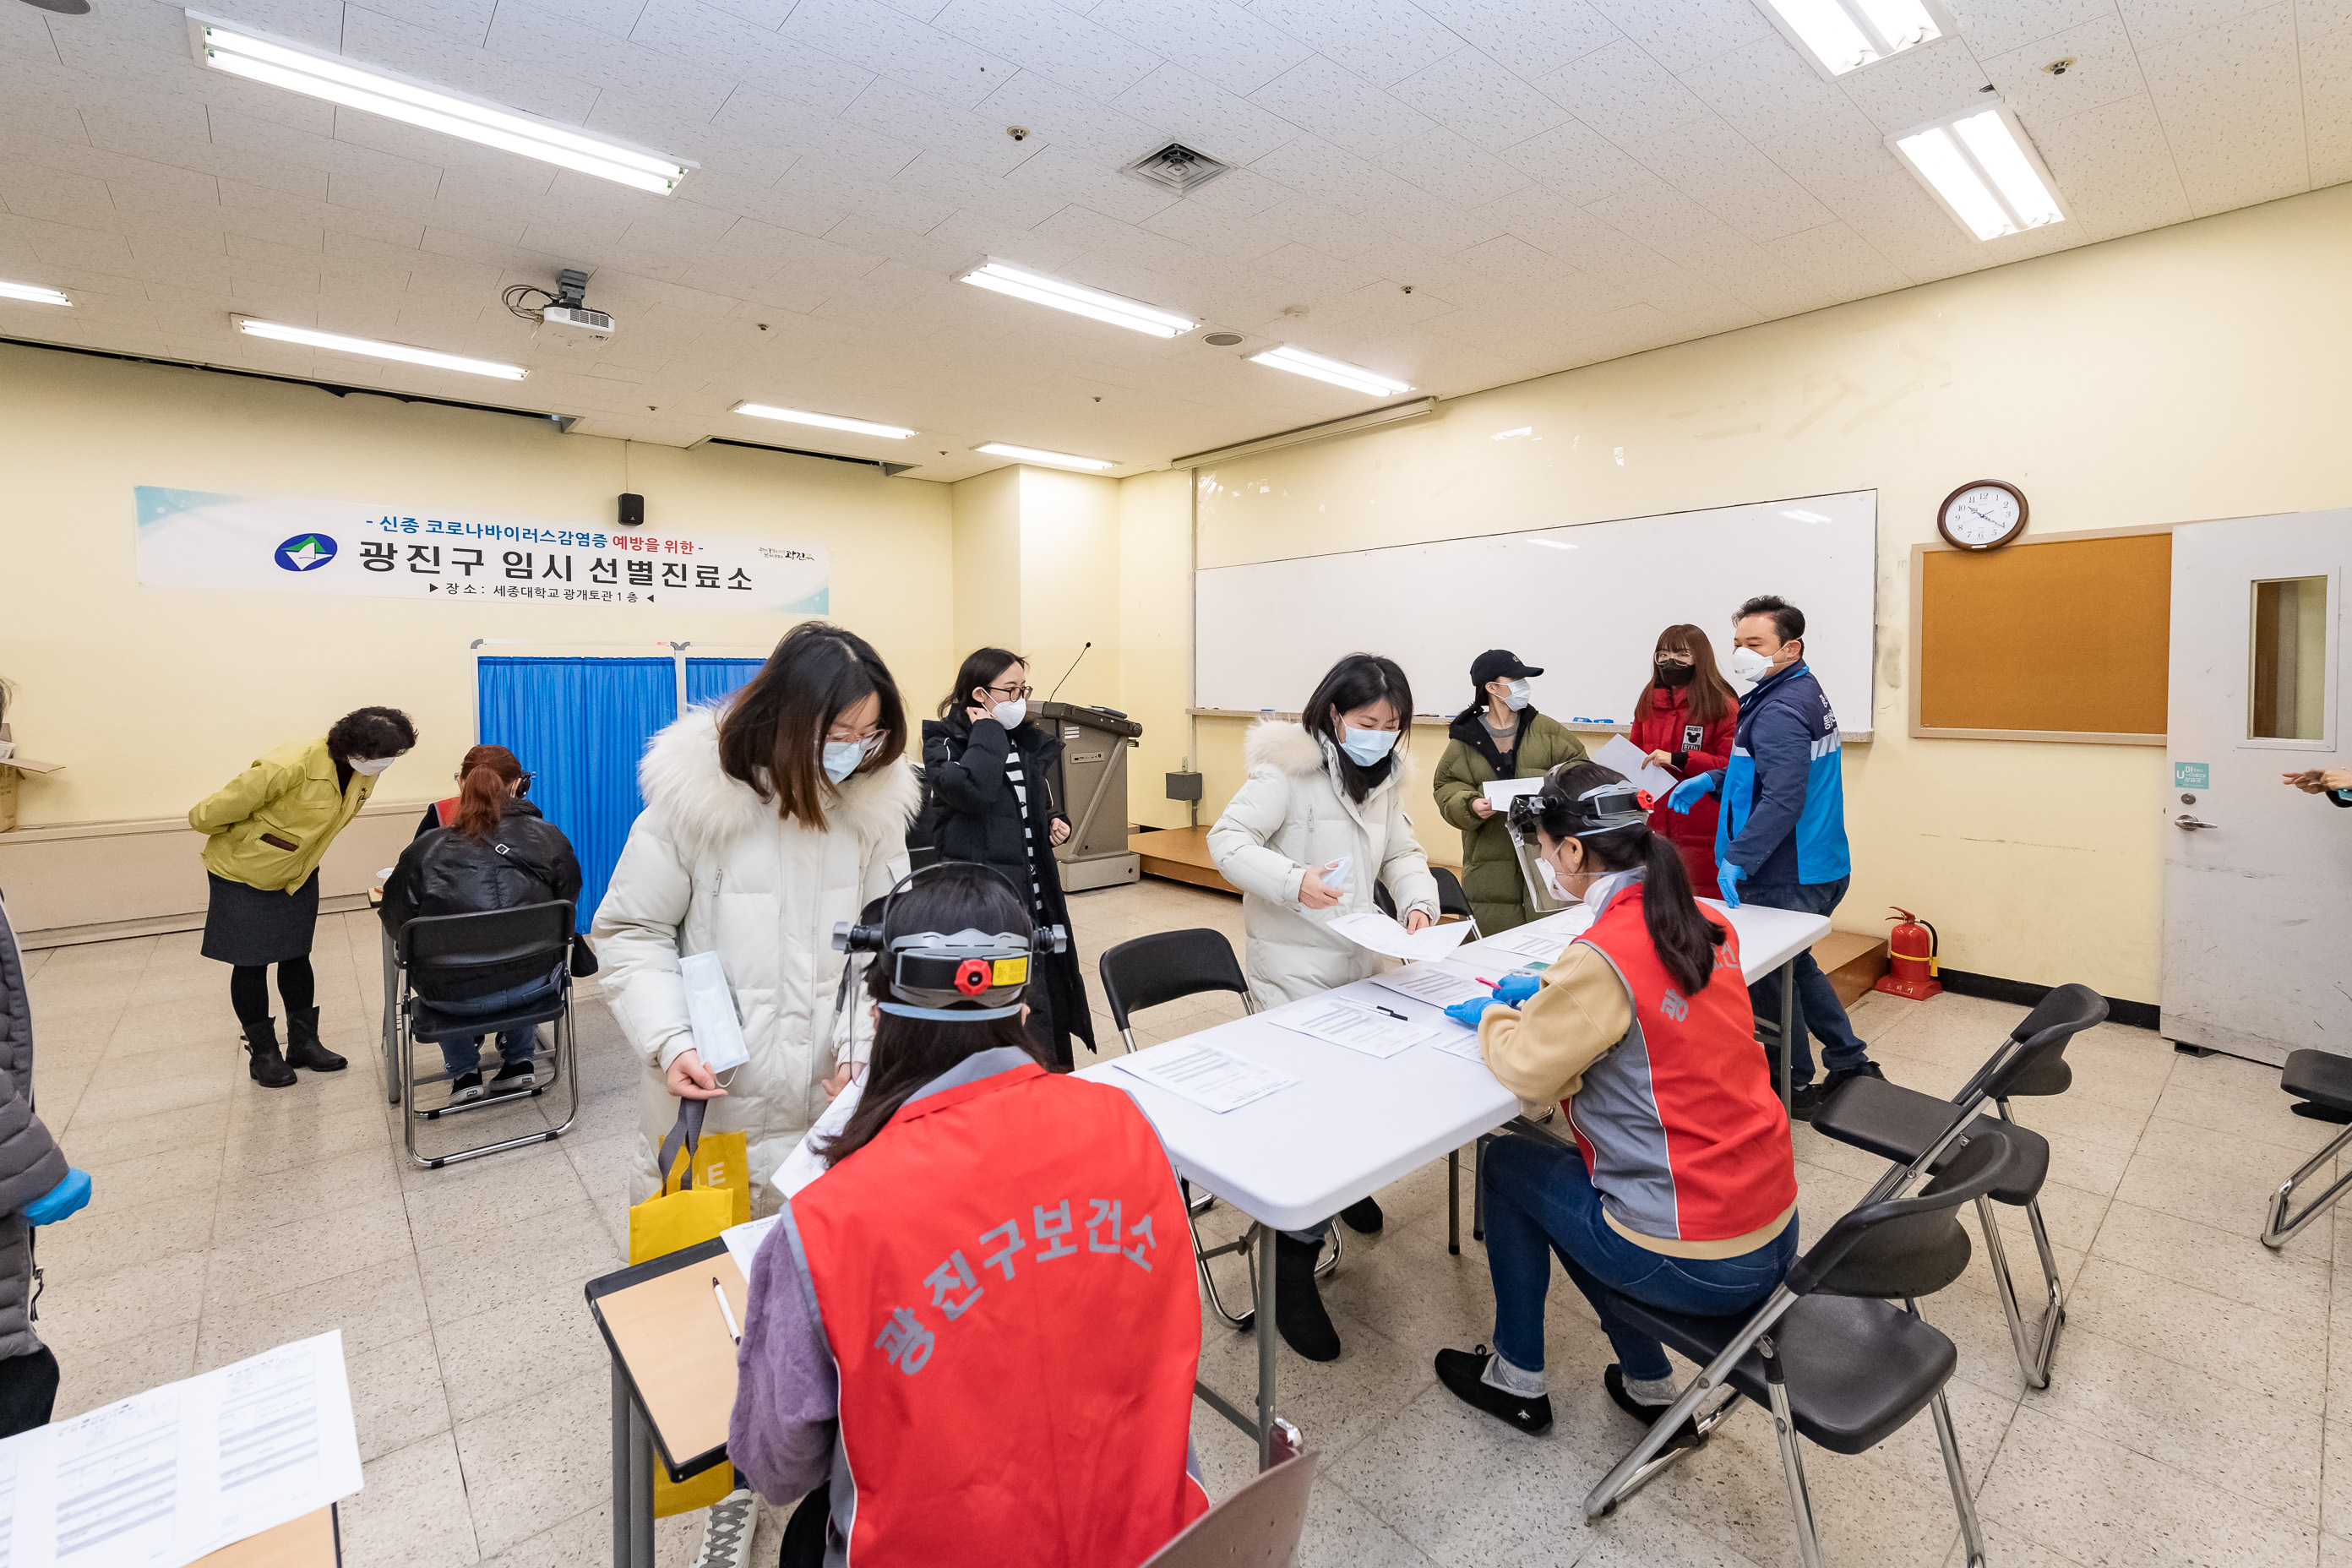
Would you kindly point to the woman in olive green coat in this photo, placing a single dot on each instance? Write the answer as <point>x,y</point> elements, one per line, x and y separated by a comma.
<point>264,833</point>
<point>1499,736</point>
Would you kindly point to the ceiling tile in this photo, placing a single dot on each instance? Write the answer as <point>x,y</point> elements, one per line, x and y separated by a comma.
<point>1379,41</point>
<point>1450,166</point>
<point>904,115</point>
<point>1765,89</point>
<point>1623,94</point>
<point>2326,57</point>
<point>1322,97</point>
<point>1917,85</point>
<point>1054,42</point>
<point>1712,164</point>
<point>464,67</point>
<point>892,44</point>
<point>466,21</point>
<point>1682,34</point>
<point>1079,177</point>
<point>2167,21</point>
<point>1471,94</point>
<point>2114,167</point>
<point>1070,122</point>
<point>1239,51</point>
<point>2232,101</point>
<point>54,197</point>
<point>1654,214</point>
<point>1205,117</point>
<point>2106,70</point>
<point>1997,27</point>
<point>1828,154</point>
<point>1574,160</point>
<point>1528,37</point>
<point>538,32</point>
<point>1837,260</point>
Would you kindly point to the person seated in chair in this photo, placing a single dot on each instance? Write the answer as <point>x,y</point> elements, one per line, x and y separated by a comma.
<point>1680,1190</point>
<point>992,1276</point>
<point>498,853</point>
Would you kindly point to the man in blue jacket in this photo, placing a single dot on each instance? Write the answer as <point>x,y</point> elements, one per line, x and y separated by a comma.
<point>1780,840</point>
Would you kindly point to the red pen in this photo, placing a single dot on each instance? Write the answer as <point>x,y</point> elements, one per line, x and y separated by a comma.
<point>1489,985</point>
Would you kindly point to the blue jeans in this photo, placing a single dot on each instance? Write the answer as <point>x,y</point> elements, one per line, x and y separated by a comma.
<point>1817,1011</point>
<point>1540,1202</point>
<point>462,1054</point>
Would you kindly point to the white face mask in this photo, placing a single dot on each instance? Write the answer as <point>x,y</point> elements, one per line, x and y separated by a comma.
<point>1365,747</point>
<point>1750,665</point>
<point>1519,695</point>
<point>842,757</point>
<point>1010,714</point>
<point>371,765</point>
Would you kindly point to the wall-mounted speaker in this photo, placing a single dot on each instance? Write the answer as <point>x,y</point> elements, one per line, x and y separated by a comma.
<point>633,511</point>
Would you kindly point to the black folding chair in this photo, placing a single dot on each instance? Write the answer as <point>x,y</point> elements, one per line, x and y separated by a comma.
<point>1453,900</point>
<point>2323,1079</point>
<point>1168,967</point>
<point>1911,1129</point>
<point>439,947</point>
<point>1832,1361</point>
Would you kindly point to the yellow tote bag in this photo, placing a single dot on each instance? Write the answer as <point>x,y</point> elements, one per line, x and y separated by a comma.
<point>713,1191</point>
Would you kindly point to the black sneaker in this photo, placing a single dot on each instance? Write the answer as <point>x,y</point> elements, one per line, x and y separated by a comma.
<point>1804,1100</point>
<point>512,1079</point>
<point>465,1087</point>
<point>1299,1312</point>
<point>1464,1372</point>
<point>1809,1098</point>
<point>1364,1218</point>
<point>1613,1379</point>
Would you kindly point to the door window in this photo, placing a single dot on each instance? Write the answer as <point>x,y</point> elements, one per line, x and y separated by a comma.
<point>2289,680</point>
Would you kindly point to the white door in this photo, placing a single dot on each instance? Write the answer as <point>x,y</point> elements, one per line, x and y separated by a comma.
<point>2257,876</point>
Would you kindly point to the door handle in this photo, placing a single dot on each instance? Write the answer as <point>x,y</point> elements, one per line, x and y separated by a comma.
<point>2191,823</point>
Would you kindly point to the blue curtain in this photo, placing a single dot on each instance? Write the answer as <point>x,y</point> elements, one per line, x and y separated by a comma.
<point>579,725</point>
<point>708,679</point>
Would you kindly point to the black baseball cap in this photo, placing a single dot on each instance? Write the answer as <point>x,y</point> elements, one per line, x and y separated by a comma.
<point>1499,664</point>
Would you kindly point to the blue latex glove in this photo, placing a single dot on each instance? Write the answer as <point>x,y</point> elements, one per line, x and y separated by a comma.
<point>1469,1012</point>
<point>67,1197</point>
<point>1727,877</point>
<point>1690,792</point>
<point>1514,989</point>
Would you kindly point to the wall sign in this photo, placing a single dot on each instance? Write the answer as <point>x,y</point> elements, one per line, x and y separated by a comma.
<point>2192,775</point>
<point>275,544</point>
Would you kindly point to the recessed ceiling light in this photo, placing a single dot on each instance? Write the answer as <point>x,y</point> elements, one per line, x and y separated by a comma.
<point>829,421</point>
<point>1841,35</point>
<point>1980,165</point>
<point>373,349</point>
<point>1039,290</point>
<point>33,293</point>
<point>1034,454</point>
<point>226,49</point>
<point>1339,372</point>
<point>1221,339</point>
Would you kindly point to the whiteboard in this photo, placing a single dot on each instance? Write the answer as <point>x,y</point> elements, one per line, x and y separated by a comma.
<point>1584,603</point>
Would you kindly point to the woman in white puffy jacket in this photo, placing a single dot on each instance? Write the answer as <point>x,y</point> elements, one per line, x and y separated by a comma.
<point>1331,786</point>
<point>767,819</point>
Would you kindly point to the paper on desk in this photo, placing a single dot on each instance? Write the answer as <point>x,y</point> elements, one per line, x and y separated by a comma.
<point>1433,983</point>
<point>1345,1024</point>
<point>1524,943</point>
<point>804,1164</point>
<point>1634,763</point>
<point>1500,792</point>
<point>1462,1043</point>
<point>744,1242</point>
<point>1211,1078</point>
<point>1370,928</point>
<point>161,1478</point>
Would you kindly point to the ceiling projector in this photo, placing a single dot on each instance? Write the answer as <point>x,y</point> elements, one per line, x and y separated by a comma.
<point>568,312</point>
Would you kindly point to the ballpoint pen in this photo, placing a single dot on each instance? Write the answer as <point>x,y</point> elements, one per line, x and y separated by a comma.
<point>725,1310</point>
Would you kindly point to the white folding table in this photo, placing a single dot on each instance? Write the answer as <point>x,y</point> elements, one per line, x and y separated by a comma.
<point>1353,1124</point>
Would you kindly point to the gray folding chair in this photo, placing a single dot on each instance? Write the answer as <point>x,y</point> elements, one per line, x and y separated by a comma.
<point>1257,1527</point>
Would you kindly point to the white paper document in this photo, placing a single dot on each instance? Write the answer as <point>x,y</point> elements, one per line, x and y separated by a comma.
<point>161,1478</point>
<point>1345,1024</point>
<point>742,1245</point>
<point>1430,982</point>
<point>1524,943</point>
<point>1211,1078</point>
<point>1374,930</point>
<point>1462,1043</point>
<point>1500,792</point>
<point>1634,763</point>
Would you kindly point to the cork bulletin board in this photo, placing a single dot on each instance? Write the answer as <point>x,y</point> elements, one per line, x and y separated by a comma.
<point>2064,638</point>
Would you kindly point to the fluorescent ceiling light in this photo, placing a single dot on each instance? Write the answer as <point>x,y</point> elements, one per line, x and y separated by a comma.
<point>1117,309</point>
<point>1032,455</point>
<point>1840,36</point>
<point>1982,168</point>
<point>375,350</point>
<point>33,292</point>
<point>225,49</point>
<point>1339,372</point>
<point>829,421</point>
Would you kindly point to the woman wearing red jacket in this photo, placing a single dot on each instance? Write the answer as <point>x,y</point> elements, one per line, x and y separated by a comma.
<point>1684,719</point>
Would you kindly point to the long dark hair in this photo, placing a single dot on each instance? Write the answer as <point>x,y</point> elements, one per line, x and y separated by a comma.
<point>771,735</point>
<point>910,1052</point>
<point>1711,696</point>
<point>980,668</point>
<point>1686,940</point>
<point>482,794</point>
<point>1357,681</point>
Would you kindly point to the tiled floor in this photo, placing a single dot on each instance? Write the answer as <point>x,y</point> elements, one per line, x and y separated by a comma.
<point>2192,1418</point>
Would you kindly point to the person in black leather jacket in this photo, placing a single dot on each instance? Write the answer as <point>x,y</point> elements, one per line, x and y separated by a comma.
<point>498,854</point>
<point>989,770</point>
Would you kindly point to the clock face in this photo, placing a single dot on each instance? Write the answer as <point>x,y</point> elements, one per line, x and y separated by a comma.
<point>1982,515</point>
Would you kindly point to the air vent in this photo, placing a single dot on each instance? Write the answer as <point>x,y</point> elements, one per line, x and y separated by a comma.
<point>1176,168</point>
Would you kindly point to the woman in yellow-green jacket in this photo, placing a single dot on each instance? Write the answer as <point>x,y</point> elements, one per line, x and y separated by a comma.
<point>265,831</point>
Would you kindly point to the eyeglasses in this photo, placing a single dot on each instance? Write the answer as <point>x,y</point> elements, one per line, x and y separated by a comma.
<point>523,787</point>
<point>1674,659</point>
<point>1011,694</point>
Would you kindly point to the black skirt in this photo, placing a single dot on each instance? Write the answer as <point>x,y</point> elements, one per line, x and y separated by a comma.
<point>244,925</point>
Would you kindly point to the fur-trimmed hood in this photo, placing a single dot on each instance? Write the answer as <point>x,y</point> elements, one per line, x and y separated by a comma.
<point>1290,748</point>
<point>704,809</point>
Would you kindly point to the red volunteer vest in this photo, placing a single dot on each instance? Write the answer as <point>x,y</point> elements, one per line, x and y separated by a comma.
<point>1006,1284</point>
<point>1697,1098</point>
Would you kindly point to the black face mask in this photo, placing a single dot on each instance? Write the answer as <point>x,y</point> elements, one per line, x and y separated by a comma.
<point>1675,674</point>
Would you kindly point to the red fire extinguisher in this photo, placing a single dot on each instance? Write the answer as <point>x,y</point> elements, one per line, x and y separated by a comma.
<point>1910,958</point>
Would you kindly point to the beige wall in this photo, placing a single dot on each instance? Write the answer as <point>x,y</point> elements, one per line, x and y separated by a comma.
<point>153,697</point>
<point>1155,650</point>
<point>2192,373</point>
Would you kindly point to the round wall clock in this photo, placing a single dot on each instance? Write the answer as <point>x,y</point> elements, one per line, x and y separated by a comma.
<point>1984,514</point>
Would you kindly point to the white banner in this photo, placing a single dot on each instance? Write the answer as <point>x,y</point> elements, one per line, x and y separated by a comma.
<point>192,539</point>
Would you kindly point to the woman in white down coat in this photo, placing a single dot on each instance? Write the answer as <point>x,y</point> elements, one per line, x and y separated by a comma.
<point>1331,785</point>
<point>767,820</point>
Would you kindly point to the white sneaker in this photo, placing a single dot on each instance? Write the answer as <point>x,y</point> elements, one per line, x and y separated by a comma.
<point>727,1531</point>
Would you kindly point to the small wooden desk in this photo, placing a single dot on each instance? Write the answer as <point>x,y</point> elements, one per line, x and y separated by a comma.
<point>673,1378</point>
<point>313,1540</point>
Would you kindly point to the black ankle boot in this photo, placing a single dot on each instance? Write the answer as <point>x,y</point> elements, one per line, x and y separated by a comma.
<point>1297,1305</point>
<point>1363,1217</point>
<point>302,1046</point>
<point>268,1067</point>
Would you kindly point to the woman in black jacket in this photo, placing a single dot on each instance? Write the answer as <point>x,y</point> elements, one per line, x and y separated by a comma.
<point>988,770</point>
<point>498,853</point>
